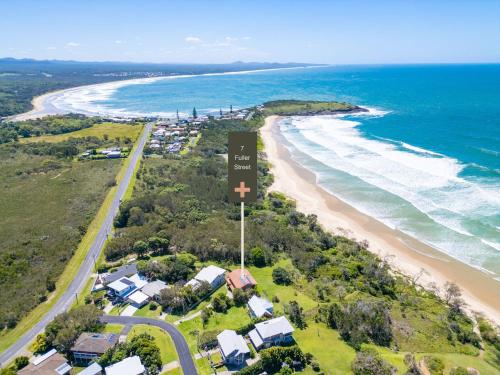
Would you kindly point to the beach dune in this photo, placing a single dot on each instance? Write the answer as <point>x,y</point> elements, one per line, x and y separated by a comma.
<point>405,254</point>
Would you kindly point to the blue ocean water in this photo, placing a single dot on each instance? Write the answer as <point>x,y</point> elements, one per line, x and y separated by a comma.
<point>426,160</point>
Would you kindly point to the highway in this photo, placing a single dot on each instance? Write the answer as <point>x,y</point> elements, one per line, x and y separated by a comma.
<point>80,279</point>
<point>185,359</point>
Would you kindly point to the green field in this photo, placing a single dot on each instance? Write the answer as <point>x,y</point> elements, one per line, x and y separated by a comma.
<point>109,129</point>
<point>162,340</point>
<point>67,206</point>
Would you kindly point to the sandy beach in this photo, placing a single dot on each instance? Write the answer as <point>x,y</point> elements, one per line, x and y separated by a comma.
<point>405,254</point>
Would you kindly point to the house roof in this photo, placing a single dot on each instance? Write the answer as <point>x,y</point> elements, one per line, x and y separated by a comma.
<point>210,273</point>
<point>274,327</point>
<point>121,284</point>
<point>238,281</point>
<point>260,306</point>
<point>154,288</point>
<point>231,343</point>
<point>138,297</point>
<point>123,271</point>
<point>90,342</point>
<point>256,339</point>
<point>129,366</point>
<point>137,280</point>
<point>93,369</point>
<point>50,363</point>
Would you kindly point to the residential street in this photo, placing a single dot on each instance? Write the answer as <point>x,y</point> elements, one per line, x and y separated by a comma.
<point>86,268</point>
<point>181,346</point>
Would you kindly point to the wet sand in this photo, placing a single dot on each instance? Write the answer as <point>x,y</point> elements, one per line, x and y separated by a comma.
<point>404,253</point>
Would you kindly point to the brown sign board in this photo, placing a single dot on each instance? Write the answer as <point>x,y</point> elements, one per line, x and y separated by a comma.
<point>242,167</point>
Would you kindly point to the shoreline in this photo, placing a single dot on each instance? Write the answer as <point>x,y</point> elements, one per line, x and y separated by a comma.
<point>404,253</point>
<point>43,104</point>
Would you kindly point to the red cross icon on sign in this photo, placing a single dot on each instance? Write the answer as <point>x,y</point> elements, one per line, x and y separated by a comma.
<point>242,189</point>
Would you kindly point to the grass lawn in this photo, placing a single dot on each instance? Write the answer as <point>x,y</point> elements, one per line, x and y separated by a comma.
<point>162,340</point>
<point>112,130</point>
<point>233,319</point>
<point>39,200</point>
<point>285,293</point>
<point>113,328</point>
<point>333,354</point>
<point>175,371</point>
<point>454,359</point>
<point>144,311</point>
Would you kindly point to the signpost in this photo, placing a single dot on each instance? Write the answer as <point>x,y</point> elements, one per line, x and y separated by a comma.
<point>242,176</point>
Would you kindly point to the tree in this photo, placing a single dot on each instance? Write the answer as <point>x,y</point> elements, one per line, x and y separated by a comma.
<point>239,297</point>
<point>195,114</point>
<point>63,331</point>
<point>296,314</point>
<point>136,216</point>
<point>451,291</point>
<point>206,313</point>
<point>221,303</point>
<point>282,276</point>
<point>40,345</point>
<point>369,362</point>
<point>140,248</point>
<point>158,245</point>
<point>258,256</point>
<point>21,362</point>
<point>361,322</point>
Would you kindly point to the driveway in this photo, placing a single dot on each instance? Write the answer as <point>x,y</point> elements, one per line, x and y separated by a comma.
<point>185,358</point>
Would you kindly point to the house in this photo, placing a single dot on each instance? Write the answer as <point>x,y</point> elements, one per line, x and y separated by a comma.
<point>237,280</point>
<point>114,154</point>
<point>90,346</point>
<point>153,289</point>
<point>212,274</point>
<point>271,332</point>
<point>259,307</point>
<point>129,366</point>
<point>93,369</point>
<point>138,299</point>
<point>122,288</point>
<point>233,347</point>
<point>50,363</point>
<point>123,271</point>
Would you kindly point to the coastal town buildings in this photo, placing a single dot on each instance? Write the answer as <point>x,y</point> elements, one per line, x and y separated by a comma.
<point>89,346</point>
<point>271,332</point>
<point>50,363</point>
<point>233,348</point>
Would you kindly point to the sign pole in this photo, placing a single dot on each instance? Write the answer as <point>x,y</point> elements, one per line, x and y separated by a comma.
<point>242,238</point>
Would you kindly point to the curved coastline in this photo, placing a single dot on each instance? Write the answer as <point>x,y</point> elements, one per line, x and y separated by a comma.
<point>45,104</point>
<point>403,252</point>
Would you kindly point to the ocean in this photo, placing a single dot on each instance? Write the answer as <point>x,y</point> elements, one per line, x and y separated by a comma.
<point>425,160</point>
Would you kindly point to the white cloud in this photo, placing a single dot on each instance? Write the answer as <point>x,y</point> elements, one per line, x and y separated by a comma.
<point>72,44</point>
<point>51,48</point>
<point>192,40</point>
<point>229,39</point>
<point>119,41</point>
<point>246,38</point>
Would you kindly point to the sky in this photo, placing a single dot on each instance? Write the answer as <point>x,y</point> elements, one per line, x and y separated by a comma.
<point>213,31</point>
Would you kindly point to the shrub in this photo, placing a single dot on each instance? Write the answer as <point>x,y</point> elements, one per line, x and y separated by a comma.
<point>281,276</point>
<point>459,371</point>
<point>369,362</point>
<point>435,365</point>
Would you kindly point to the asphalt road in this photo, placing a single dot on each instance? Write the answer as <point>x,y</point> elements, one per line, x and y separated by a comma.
<point>86,269</point>
<point>181,346</point>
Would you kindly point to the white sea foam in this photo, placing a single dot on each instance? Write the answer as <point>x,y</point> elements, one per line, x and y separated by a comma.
<point>428,181</point>
<point>494,245</point>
